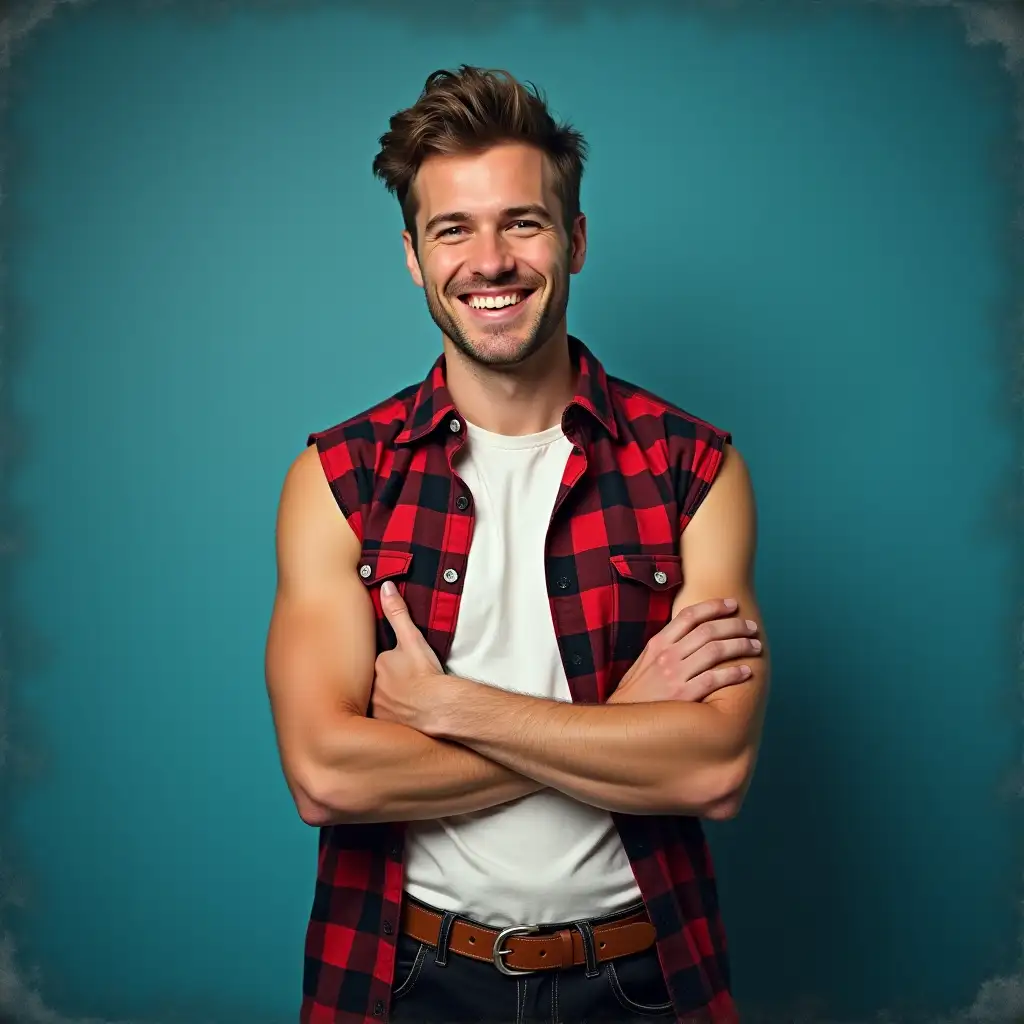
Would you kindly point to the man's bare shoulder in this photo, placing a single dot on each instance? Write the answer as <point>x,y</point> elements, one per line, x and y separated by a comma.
<point>313,535</point>
<point>720,541</point>
<point>733,480</point>
<point>306,490</point>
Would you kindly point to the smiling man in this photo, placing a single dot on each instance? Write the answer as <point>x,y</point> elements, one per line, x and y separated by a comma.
<point>495,689</point>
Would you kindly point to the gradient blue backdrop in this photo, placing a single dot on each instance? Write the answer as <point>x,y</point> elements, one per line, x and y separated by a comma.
<point>797,232</point>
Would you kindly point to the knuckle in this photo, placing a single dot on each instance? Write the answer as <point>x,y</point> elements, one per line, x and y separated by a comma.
<point>704,633</point>
<point>713,631</point>
<point>688,616</point>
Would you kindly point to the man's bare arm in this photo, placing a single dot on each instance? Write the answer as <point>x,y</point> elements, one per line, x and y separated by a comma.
<point>340,765</point>
<point>664,757</point>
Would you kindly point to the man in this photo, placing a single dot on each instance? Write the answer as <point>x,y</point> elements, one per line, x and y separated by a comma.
<point>495,691</point>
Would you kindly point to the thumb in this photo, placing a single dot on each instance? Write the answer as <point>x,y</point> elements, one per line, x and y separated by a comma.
<point>397,613</point>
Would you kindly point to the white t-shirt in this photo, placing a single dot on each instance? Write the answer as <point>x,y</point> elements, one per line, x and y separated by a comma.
<point>546,857</point>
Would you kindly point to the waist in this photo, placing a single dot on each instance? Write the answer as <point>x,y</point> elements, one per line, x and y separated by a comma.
<point>527,948</point>
<point>544,857</point>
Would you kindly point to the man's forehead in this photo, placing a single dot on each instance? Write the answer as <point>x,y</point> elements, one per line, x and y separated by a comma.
<point>501,177</point>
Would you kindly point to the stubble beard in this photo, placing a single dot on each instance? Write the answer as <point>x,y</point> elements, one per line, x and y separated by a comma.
<point>501,347</point>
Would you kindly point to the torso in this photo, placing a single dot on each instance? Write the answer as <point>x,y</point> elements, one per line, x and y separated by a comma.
<point>544,857</point>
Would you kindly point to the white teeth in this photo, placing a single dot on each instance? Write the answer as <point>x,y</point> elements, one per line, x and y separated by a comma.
<point>492,301</point>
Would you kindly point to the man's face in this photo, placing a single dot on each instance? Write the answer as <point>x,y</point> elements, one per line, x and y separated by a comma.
<point>493,258</point>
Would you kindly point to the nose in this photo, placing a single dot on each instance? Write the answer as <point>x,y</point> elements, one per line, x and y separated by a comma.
<point>491,256</point>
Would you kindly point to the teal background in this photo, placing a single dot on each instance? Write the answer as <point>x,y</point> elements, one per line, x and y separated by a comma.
<point>797,232</point>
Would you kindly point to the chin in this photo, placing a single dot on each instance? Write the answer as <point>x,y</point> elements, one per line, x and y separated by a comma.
<point>498,350</point>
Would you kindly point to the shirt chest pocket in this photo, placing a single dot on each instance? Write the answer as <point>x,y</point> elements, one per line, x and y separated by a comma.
<point>374,568</point>
<point>643,589</point>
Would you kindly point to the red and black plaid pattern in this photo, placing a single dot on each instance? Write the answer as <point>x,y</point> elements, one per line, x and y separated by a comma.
<point>638,471</point>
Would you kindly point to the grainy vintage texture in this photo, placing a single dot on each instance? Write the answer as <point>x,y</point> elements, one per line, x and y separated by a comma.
<point>997,24</point>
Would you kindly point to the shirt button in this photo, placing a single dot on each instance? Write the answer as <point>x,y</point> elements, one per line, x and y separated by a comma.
<point>454,426</point>
<point>462,503</point>
<point>563,583</point>
<point>396,851</point>
<point>387,928</point>
<point>365,571</point>
<point>660,577</point>
<point>451,576</point>
<point>378,1008</point>
<point>577,659</point>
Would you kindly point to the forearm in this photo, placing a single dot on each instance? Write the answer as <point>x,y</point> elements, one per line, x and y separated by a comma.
<point>669,757</point>
<point>373,771</point>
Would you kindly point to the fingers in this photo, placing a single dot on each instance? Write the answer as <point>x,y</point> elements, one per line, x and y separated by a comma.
<point>704,633</point>
<point>716,679</point>
<point>715,652</point>
<point>689,618</point>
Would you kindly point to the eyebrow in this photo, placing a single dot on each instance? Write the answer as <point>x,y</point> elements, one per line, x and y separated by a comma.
<point>457,217</point>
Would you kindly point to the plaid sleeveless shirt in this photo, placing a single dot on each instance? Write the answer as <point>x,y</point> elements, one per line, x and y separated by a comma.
<point>638,471</point>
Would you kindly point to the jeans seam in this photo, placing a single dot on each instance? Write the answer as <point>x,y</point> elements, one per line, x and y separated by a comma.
<point>414,973</point>
<point>613,978</point>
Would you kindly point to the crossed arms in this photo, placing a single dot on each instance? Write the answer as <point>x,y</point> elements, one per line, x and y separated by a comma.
<point>647,751</point>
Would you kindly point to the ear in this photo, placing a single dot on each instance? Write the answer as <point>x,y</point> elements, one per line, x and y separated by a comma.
<point>578,241</point>
<point>412,260</point>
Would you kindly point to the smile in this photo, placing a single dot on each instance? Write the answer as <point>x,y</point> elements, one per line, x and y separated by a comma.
<point>492,306</point>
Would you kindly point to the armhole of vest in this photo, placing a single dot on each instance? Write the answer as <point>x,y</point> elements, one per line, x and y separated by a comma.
<point>345,505</point>
<point>703,473</point>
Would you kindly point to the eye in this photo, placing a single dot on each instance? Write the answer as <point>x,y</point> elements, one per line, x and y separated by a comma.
<point>525,225</point>
<point>447,232</point>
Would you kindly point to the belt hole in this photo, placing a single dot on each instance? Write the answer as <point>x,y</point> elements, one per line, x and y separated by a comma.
<point>472,940</point>
<point>543,952</point>
<point>602,945</point>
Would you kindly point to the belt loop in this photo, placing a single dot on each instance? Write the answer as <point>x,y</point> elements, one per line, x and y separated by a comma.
<point>444,937</point>
<point>587,932</point>
<point>568,953</point>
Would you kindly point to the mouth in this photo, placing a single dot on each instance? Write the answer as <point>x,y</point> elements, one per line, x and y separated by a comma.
<point>496,306</point>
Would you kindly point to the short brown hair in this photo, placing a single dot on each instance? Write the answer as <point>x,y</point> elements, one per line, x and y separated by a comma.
<point>467,111</point>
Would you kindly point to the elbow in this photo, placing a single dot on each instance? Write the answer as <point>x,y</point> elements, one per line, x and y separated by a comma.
<point>726,791</point>
<point>320,802</point>
<point>724,810</point>
<point>313,812</point>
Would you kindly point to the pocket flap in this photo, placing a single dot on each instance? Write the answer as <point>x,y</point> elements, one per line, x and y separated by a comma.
<point>377,566</point>
<point>659,572</point>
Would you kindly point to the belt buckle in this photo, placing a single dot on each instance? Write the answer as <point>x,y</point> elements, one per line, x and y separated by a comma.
<point>497,952</point>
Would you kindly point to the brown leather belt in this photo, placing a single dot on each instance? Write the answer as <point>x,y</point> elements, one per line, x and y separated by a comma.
<point>523,949</point>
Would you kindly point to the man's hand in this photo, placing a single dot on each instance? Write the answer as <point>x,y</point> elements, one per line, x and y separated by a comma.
<point>407,678</point>
<point>681,662</point>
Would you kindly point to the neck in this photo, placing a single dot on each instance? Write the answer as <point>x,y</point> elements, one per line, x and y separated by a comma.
<point>517,400</point>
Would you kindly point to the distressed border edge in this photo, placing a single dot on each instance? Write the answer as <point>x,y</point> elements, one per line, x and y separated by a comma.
<point>1000,1000</point>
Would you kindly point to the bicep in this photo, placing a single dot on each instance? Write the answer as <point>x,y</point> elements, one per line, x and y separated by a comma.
<point>321,644</point>
<point>718,549</point>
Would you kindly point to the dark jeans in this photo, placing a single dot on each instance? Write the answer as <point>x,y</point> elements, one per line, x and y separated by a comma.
<point>464,991</point>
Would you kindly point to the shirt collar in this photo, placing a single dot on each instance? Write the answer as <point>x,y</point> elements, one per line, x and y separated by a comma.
<point>433,403</point>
